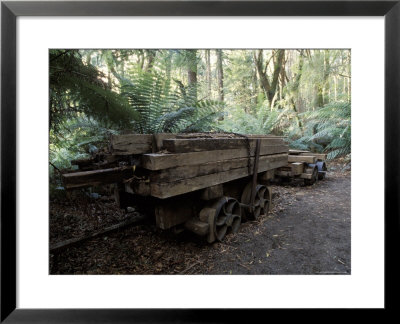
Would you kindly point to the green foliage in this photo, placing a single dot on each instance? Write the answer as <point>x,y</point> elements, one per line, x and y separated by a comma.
<point>85,109</point>
<point>76,88</point>
<point>241,80</point>
<point>327,129</point>
<point>163,108</point>
<point>264,121</point>
<point>94,93</point>
<point>80,135</point>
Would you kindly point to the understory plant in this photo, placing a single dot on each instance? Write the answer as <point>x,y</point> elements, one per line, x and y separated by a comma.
<point>327,129</point>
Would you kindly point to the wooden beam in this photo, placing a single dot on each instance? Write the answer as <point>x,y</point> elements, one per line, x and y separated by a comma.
<point>306,176</point>
<point>68,243</point>
<point>302,158</point>
<point>83,162</point>
<point>212,192</point>
<point>96,177</point>
<point>212,144</point>
<point>191,171</point>
<point>159,138</point>
<point>224,135</point>
<point>196,226</point>
<point>297,152</point>
<point>173,213</point>
<point>297,168</point>
<point>159,161</point>
<point>131,138</point>
<point>138,187</point>
<point>319,156</point>
<point>131,144</point>
<point>266,176</point>
<point>170,189</point>
<point>283,173</point>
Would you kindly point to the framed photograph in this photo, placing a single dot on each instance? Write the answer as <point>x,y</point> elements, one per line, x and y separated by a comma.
<point>293,102</point>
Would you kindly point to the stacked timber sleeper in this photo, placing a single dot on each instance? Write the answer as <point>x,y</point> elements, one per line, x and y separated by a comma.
<point>304,165</point>
<point>203,167</point>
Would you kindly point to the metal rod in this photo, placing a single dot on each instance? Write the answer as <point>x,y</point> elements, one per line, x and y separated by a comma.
<point>255,172</point>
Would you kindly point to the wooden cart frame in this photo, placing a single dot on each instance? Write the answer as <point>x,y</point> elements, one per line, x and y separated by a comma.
<point>207,183</point>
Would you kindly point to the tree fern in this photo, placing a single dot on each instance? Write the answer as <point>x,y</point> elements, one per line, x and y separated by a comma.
<point>328,129</point>
<point>265,121</point>
<point>76,88</point>
<point>164,108</point>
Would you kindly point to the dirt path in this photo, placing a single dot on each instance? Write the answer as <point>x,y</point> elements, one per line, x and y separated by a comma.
<point>309,235</point>
<point>307,232</point>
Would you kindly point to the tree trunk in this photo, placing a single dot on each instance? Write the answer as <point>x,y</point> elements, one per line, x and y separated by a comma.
<point>220,72</point>
<point>335,88</point>
<point>109,80</point>
<point>168,68</point>
<point>264,83</point>
<point>295,89</point>
<point>192,73</point>
<point>255,87</point>
<point>326,84</point>
<point>319,98</point>
<point>269,87</point>
<point>141,59</point>
<point>208,68</point>
<point>348,89</point>
<point>89,58</point>
<point>150,56</point>
<point>278,64</point>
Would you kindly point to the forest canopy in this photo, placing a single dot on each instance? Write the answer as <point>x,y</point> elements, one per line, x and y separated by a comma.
<point>302,94</point>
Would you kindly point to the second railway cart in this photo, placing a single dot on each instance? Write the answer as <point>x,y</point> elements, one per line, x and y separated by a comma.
<point>207,183</point>
<point>304,165</point>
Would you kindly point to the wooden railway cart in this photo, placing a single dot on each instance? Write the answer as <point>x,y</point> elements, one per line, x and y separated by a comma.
<point>207,183</point>
<point>304,165</point>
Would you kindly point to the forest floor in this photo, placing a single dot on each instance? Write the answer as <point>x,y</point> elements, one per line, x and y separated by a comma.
<point>306,232</point>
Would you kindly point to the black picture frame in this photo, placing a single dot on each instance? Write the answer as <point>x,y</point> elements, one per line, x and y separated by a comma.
<point>10,10</point>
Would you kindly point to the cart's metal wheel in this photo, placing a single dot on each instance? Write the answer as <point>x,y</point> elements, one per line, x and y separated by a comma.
<point>264,194</point>
<point>261,201</point>
<point>234,219</point>
<point>222,215</point>
<point>321,169</point>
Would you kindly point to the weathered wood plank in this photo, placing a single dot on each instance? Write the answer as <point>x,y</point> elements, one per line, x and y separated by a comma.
<point>224,135</point>
<point>302,158</point>
<point>306,176</point>
<point>263,136</point>
<point>64,244</point>
<point>159,138</point>
<point>170,189</point>
<point>319,156</point>
<point>106,161</point>
<point>132,149</point>
<point>297,168</point>
<point>297,152</point>
<point>191,171</point>
<point>283,173</point>
<point>131,139</point>
<point>198,227</point>
<point>212,144</point>
<point>141,188</point>
<point>212,192</point>
<point>131,144</point>
<point>173,213</point>
<point>83,162</point>
<point>266,176</point>
<point>96,177</point>
<point>159,161</point>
